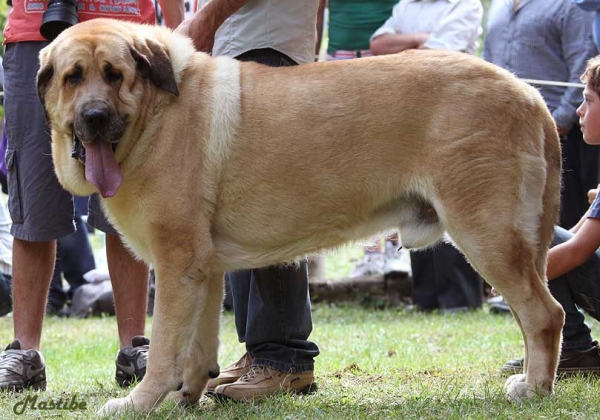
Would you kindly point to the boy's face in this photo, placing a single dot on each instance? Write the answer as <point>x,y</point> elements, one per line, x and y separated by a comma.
<point>589,116</point>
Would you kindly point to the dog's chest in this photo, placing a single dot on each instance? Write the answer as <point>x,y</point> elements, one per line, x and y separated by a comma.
<point>131,220</point>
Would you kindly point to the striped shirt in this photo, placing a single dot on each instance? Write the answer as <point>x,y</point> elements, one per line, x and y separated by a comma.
<point>543,40</point>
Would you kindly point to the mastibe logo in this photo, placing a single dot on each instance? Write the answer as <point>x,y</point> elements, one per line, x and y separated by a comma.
<point>31,403</point>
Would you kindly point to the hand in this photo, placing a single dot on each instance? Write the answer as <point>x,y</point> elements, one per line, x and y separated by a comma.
<point>421,39</point>
<point>592,194</point>
<point>202,35</point>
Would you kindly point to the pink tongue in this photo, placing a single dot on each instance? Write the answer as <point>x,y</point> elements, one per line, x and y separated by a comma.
<point>101,168</point>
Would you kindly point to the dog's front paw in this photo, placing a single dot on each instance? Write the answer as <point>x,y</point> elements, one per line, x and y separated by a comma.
<point>184,398</point>
<point>517,389</point>
<point>116,406</point>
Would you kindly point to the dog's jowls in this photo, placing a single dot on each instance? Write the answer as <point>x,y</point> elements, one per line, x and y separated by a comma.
<point>207,165</point>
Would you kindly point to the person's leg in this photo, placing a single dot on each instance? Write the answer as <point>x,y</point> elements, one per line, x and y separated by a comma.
<point>239,286</point>
<point>278,323</point>
<point>41,212</point>
<point>443,279</point>
<point>129,278</point>
<point>578,289</point>
<point>33,265</point>
<point>458,284</point>
<point>57,297</point>
<point>76,255</point>
<point>40,209</point>
<point>279,319</point>
<point>575,290</point>
<point>424,287</point>
<point>273,316</point>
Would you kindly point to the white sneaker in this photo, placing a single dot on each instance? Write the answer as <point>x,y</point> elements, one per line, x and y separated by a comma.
<point>498,305</point>
<point>372,264</point>
<point>396,259</point>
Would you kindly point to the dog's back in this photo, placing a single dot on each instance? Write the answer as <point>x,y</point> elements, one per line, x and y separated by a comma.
<point>356,147</point>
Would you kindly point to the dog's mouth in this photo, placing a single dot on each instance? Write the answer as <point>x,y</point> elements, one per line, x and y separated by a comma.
<point>101,167</point>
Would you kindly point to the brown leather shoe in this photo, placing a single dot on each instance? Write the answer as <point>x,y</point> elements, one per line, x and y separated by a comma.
<point>572,362</point>
<point>263,382</point>
<point>231,373</point>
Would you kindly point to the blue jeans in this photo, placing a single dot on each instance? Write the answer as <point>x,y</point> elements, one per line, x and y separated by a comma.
<point>273,316</point>
<point>272,305</point>
<point>577,290</point>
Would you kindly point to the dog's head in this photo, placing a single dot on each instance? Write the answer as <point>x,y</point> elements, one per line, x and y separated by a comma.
<point>96,80</point>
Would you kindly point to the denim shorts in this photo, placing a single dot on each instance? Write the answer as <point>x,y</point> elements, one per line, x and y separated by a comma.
<point>41,210</point>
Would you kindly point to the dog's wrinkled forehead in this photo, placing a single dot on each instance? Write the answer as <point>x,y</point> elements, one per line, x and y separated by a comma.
<point>87,50</point>
<point>119,51</point>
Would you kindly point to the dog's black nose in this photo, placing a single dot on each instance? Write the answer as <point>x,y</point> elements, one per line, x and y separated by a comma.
<point>95,118</point>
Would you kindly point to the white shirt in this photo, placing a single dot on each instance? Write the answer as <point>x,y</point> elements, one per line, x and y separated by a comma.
<point>288,26</point>
<point>453,24</point>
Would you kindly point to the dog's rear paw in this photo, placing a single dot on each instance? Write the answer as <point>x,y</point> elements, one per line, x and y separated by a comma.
<point>517,389</point>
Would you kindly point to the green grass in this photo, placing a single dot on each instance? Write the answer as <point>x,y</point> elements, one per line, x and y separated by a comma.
<point>373,365</point>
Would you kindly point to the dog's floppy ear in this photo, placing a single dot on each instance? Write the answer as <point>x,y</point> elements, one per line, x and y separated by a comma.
<point>43,78</point>
<point>155,65</point>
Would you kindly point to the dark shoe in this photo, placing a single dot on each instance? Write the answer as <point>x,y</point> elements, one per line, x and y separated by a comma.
<point>572,362</point>
<point>53,309</point>
<point>231,373</point>
<point>21,369</point>
<point>262,381</point>
<point>131,361</point>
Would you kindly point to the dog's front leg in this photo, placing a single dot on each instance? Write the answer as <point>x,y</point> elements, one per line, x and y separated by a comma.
<point>176,345</point>
<point>200,362</point>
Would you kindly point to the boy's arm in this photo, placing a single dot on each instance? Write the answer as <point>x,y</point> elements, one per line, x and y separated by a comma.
<point>592,194</point>
<point>576,251</point>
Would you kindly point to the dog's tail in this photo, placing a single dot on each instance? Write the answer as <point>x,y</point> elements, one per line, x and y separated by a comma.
<point>540,163</point>
<point>551,197</point>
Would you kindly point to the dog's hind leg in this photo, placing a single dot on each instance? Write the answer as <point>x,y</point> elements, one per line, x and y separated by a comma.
<point>506,237</point>
<point>512,270</point>
<point>184,342</point>
<point>542,345</point>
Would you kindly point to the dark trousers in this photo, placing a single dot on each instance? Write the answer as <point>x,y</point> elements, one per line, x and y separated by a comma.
<point>443,279</point>
<point>577,290</point>
<point>580,173</point>
<point>5,294</point>
<point>271,305</point>
<point>74,258</point>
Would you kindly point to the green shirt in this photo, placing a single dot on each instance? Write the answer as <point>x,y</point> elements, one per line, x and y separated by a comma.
<point>352,22</point>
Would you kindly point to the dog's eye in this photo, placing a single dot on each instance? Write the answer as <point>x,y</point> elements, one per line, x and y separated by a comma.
<point>112,75</point>
<point>75,76</point>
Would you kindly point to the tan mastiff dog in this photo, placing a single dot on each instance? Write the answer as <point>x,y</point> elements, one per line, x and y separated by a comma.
<point>208,164</point>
